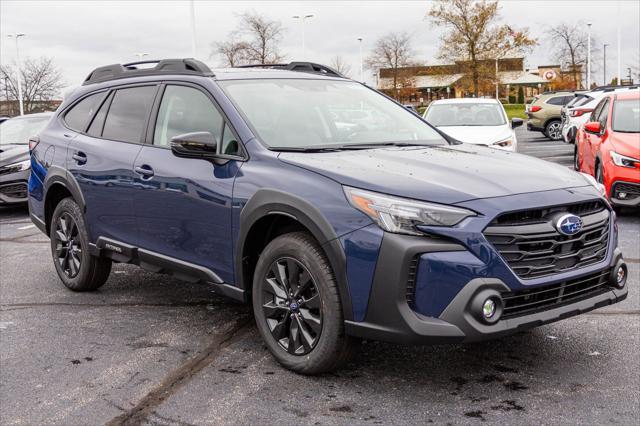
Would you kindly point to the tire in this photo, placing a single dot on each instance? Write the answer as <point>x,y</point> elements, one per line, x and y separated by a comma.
<point>78,270</point>
<point>313,317</point>
<point>598,173</point>
<point>553,130</point>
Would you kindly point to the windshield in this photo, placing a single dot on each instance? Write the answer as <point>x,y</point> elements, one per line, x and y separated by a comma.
<point>303,114</point>
<point>480,114</point>
<point>626,116</point>
<point>19,130</point>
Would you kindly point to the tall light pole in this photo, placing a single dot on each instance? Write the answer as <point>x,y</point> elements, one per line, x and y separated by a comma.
<point>604,68</point>
<point>589,56</point>
<point>193,28</point>
<point>18,78</point>
<point>361,63</point>
<point>303,18</point>
<point>619,43</point>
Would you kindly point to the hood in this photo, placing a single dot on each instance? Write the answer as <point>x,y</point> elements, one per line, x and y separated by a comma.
<point>443,174</point>
<point>626,143</point>
<point>482,135</point>
<point>10,154</point>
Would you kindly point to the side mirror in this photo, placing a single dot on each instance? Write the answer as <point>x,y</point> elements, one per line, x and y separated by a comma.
<point>195,145</point>
<point>516,122</point>
<point>592,127</point>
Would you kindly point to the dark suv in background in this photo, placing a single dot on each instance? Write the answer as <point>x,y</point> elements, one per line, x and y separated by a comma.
<point>334,210</point>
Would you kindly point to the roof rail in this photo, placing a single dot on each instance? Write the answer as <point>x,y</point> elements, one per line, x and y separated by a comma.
<point>188,66</point>
<point>310,67</point>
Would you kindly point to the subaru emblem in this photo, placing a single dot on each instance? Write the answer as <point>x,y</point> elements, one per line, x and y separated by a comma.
<point>569,224</point>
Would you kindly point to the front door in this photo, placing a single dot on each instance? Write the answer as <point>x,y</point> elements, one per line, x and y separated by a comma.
<point>183,206</point>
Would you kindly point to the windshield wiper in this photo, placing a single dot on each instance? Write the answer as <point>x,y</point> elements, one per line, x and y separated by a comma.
<point>345,147</point>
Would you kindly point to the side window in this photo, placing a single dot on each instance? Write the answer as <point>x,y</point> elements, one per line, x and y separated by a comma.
<point>95,128</point>
<point>185,110</point>
<point>128,114</point>
<point>77,118</point>
<point>558,100</point>
<point>596,111</point>
<point>604,115</point>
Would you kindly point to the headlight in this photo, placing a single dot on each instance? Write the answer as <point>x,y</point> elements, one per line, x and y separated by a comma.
<point>594,183</point>
<point>401,215</point>
<point>624,161</point>
<point>504,143</point>
<point>17,167</point>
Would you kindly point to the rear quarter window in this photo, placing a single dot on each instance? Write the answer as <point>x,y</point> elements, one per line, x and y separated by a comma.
<point>77,118</point>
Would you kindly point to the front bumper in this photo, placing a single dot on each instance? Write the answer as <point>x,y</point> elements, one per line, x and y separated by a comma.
<point>631,191</point>
<point>14,187</point>
<point>391,316</point>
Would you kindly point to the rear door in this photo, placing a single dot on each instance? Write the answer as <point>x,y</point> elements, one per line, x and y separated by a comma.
<point>183,207</point>
<point>101,160</point>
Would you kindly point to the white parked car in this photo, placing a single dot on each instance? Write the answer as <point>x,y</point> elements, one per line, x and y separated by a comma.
<point>476,121</point>
<point>578,112</point>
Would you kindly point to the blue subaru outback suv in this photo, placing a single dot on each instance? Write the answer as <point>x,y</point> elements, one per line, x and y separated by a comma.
<point>336,212</point>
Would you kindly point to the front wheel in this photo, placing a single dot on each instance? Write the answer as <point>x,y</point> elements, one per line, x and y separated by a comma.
<point>297,306</point>
<point>77,268</point>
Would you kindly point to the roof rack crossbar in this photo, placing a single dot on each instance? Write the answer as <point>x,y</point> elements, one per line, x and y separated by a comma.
<point>188,66</point>
<point>300,66</point>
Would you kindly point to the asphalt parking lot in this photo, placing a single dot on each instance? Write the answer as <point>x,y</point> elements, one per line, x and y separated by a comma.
<point>148,349</point>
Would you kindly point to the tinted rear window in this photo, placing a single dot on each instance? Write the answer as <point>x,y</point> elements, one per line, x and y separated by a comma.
<point>128,114</point>
<point>559,100</point>
<point>78,116</point>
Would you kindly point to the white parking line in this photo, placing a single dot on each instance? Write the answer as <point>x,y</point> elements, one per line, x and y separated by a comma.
<point>22,228</point>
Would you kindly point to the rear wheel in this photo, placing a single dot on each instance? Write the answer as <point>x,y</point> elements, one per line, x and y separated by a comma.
<point>553,130</point>
<point>78,270</point>
<point>297,306</point>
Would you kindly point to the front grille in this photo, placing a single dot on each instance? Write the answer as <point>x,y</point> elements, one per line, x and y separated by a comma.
<point>15,190</point>
<point>526,302</point>
<point>525,217</point>
<point>538,249</point>
<point>631,189</point>
<point>411,281</point>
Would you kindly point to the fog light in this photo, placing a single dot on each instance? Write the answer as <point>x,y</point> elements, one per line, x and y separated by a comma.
<point>621,276</point>
<point>489,308</point>
<point>622,195</point>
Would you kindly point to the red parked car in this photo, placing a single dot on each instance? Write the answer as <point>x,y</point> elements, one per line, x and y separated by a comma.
<point>608,148</point>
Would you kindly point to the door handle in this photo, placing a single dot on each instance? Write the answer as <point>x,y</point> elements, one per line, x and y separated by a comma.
<point>80,157</point>
<point>145,171</point>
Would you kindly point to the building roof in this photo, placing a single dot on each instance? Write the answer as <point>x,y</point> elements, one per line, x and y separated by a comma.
<point>520,77</point>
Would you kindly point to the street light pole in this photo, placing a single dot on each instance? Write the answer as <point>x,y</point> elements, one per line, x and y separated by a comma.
<point>604,68</point>
<point>303,18</point>
<point>193,28</point>
<point>18,78</point>
<point>589,56</point>
<point>361,63</point>
<point>497,80</point>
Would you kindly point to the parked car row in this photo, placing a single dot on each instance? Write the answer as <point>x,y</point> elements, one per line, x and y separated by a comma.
<point>607,146</point>
<point>576,112</point>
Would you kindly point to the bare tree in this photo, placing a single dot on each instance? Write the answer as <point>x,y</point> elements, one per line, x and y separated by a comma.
<point>393,51</point>
<point>570,47</point>
<point>264,36</point>
<point>41,81</point>
<point>339,64</point>
<point>474,35</point>
<point>233,52</point>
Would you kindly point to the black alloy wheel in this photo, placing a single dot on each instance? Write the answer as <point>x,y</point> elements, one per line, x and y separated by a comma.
<point>292,306</point>
<point>68,245</point>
